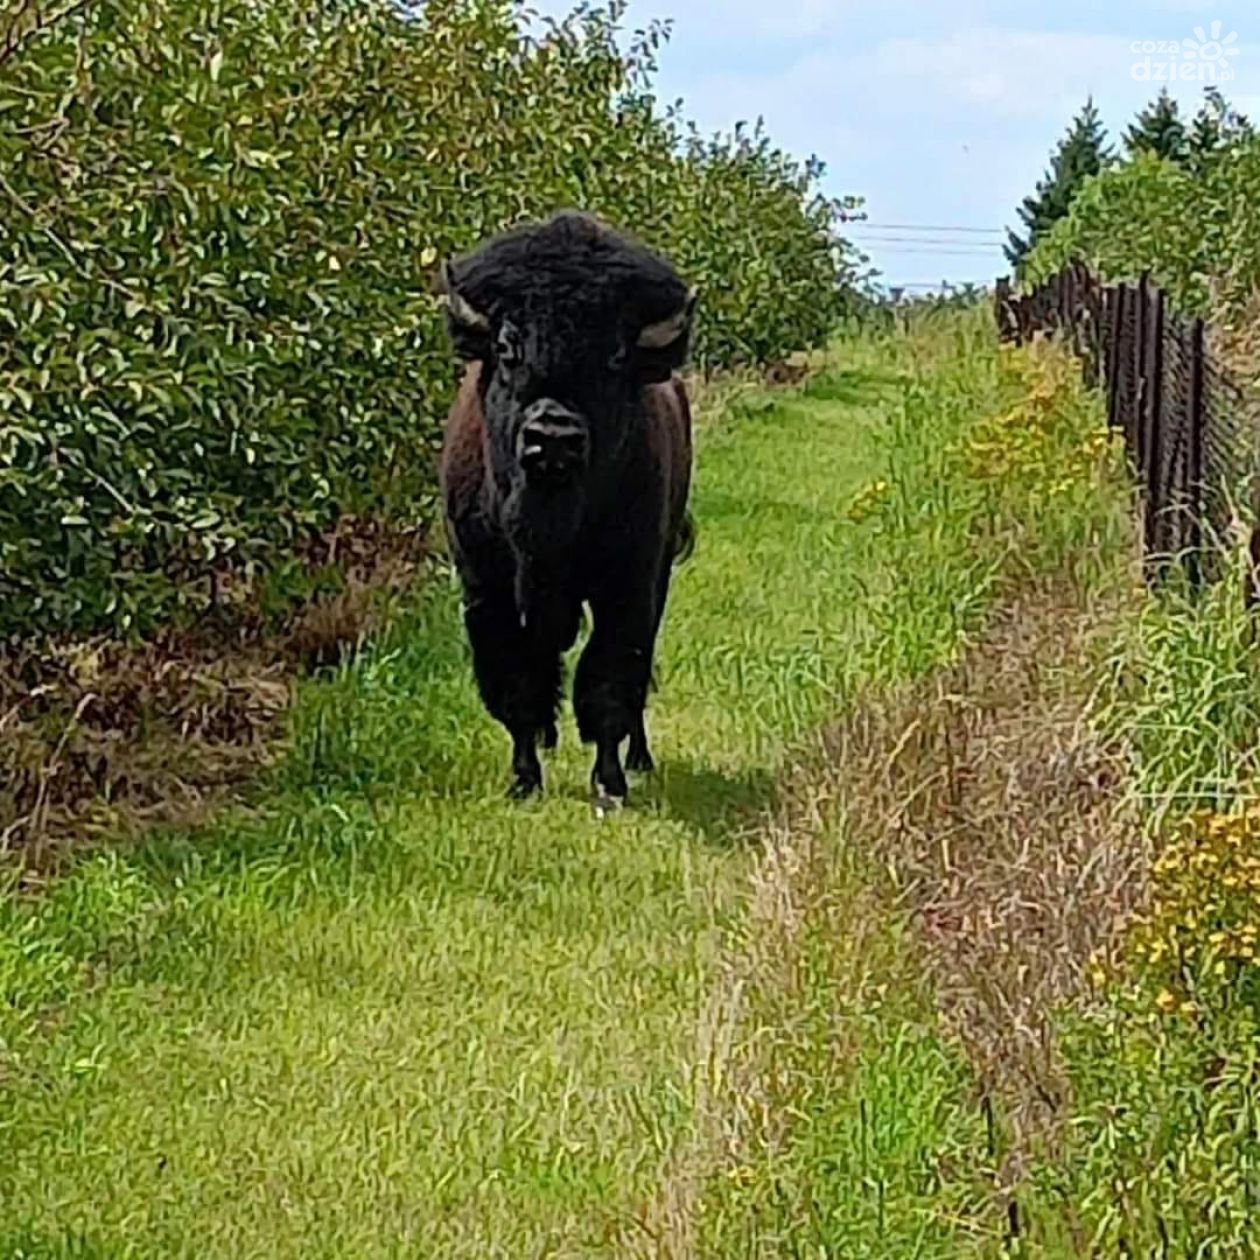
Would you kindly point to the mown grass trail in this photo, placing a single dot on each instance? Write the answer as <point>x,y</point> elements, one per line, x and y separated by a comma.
<point>391,1014</point>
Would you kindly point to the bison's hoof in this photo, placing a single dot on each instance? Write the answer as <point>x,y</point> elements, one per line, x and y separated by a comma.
<point>524,789</point>
<point>606,804</point>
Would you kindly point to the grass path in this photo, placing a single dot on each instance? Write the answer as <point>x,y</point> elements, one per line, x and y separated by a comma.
<point>390,1014</point>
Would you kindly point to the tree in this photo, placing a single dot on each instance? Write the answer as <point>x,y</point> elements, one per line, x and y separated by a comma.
<point>1160,130</point>
<point>1081,154</point>
<point>1216,127</point>
<point>218,336</point>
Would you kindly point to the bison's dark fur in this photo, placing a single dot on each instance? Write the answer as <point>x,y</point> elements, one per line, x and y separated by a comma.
<point>566,470</point>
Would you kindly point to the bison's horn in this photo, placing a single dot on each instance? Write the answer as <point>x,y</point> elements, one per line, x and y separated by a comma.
<point>667,331</point>
<point>463,311</point>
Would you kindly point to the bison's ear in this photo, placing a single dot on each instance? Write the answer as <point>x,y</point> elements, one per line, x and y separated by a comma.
<point>662,347</point>
<point>469,327</point>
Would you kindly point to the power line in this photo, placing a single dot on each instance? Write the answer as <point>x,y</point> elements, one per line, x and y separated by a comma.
<point>927,240</point>
<point>962,251</point>
<point>922,227</point>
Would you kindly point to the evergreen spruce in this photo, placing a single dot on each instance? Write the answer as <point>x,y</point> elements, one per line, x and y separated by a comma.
<point>1216,127</point>
<point>1159,130</point>
<point>1081,154</point>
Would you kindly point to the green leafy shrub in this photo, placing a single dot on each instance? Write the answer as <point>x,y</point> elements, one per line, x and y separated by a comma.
<point>1160,1153</point>
<point>1197,230</point>
<point>1165,1066</point>
<point>219,224</point>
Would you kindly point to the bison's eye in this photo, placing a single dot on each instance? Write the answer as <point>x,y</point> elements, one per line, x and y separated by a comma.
<point>507,346</point>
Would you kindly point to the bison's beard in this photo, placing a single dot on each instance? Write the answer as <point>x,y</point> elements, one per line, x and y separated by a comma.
<point>543,525</point>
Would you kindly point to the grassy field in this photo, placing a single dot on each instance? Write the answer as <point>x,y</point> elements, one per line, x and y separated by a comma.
<point>863,1117</point>
<point>386,1013</point>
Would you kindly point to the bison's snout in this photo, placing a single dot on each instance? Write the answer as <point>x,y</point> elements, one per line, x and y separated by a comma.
<point>552,444</point>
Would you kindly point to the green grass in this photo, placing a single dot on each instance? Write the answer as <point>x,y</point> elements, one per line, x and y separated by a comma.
<point>876,1146</point>
<point>392,1011</point>
<point>386,1013</point>
<point>1181,687</point>
<point>1165,1128</point>
<point>868,1139</point>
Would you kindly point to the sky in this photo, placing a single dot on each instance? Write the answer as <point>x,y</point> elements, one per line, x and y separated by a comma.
<point>942,114</point>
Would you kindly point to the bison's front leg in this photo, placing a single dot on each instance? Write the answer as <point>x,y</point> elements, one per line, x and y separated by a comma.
<point>610,688</point>
<point>519,679</point>
<point>639,754</point>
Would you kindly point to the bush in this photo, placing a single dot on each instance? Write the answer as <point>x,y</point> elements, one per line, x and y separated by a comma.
<point>1160,1149</point>
<point>1165,1067</point>
<point>218,229</point>
<point>1200,932</point>
<point>1197,230</point>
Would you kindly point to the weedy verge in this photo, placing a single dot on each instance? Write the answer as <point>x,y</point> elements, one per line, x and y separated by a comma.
<point>876,1062</point>
<point>999,815</point>
<point>101,737</point>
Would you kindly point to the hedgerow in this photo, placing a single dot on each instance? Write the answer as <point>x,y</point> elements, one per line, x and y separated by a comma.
<point>1161,1150</point>
<point>1195,229</point>
<point>219,225</point>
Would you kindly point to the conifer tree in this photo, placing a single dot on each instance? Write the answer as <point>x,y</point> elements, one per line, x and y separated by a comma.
<point>1081,154</point>
<point>1216,126</point>
<point>1160,130</point>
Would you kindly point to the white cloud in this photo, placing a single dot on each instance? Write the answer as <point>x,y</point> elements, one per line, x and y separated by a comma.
<point>913,91</point>
<point>936,113</point>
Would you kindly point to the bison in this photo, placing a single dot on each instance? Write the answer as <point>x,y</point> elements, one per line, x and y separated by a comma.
<point>565,473</point>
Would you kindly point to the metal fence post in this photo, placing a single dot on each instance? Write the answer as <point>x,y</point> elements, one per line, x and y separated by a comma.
<point>1152,419</point>
<point>1195,417</point>
<point>1116,301</point>
<point>1141,317</point>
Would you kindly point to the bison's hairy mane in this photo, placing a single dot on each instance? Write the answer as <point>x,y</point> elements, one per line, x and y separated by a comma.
<point>571,260</point>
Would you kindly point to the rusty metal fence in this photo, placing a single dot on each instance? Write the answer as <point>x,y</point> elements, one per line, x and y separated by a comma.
<point>1180,414</point>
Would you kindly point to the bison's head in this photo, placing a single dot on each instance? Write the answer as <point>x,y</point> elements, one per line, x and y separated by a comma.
<point>570,321</point>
